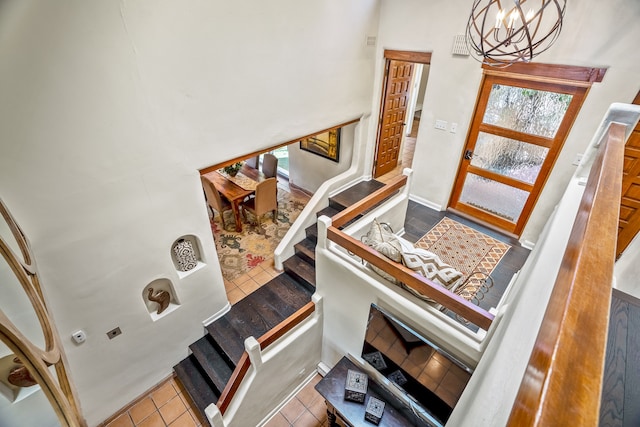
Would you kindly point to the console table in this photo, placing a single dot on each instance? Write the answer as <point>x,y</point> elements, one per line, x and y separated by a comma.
<point>331,388</point>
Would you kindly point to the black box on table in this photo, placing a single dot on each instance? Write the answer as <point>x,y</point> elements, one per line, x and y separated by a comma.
<point>374,411</point>
<point>356,386</point>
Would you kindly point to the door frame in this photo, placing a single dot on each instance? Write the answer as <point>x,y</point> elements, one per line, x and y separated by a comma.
<point>579,79</point>
<point>389,55</point>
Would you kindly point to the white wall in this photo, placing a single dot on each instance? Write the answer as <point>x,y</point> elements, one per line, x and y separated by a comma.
<point>627,269</point>
<point>594,34</point>
<point>309,171</point>
<point>107,111</point>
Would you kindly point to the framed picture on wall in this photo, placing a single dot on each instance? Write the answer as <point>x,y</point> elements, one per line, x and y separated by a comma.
<point>326,144</point>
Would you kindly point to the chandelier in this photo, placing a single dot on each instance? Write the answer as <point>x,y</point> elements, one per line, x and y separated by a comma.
<point>501,32</point>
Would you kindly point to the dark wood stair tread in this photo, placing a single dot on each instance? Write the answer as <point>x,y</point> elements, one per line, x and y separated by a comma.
<point>306,249</point>
<point>354,194</point>
<point>194,382</point>
<point>258,313</point>
<point>301,270</point>
<point>328,211</point>
<point>230,341</point>
<point>215,365</point>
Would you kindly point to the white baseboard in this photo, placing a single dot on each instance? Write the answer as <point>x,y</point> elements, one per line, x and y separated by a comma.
<point>216,316</point>
<point>426,202</point>
<point>323,369</point>
<point>527,244</point>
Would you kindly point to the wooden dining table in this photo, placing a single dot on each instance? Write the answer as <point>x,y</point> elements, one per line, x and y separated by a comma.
<point>233,191</point>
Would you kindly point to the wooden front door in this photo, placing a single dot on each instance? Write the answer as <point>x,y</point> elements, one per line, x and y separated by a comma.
<point>516,135</point>
<point>394,110</point>
<point>629,222</point>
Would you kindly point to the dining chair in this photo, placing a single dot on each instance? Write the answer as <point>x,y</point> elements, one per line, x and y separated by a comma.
<point>252,162</point>
<point>264,202</point>
<point>215,200</point>
<point>269,165</point>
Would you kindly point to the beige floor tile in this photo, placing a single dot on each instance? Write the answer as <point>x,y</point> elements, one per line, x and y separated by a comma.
<point>318,408</point>
<point>307,420</point>
<point>428,382</point>
<point>142,410</point>
<point>198,418</point>
<point>292,410</point>
<point>153,420</point>
<point>254,272</point>
<point>435,370</point>
<point>229,285</point>
<point>451,382</point>
<point>184,420</point>
<point>243,278</point>
<point>249,286</point>
<point>444,361</point>
<point>235,295</point>
<point>262,277</point>
<point>307,395</point>
<point>172,409</point>
<point>278,420</point>
<point>123,420</point>
<point>163,394</point>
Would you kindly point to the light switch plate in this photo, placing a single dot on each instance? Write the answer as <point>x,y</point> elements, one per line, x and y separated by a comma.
<point>441,124</point>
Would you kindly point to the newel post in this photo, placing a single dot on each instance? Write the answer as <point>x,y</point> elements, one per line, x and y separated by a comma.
<point>324,222</point>
<point>214,416</point>
<point>252,347</point>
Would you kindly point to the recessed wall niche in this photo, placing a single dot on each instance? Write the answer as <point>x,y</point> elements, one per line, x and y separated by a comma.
<point>186,255</point>
<point>160,298</point>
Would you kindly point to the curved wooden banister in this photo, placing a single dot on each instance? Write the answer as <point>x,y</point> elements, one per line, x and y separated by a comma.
<point>448,299</point>
<point>265,340</point>
<point>563,380</point>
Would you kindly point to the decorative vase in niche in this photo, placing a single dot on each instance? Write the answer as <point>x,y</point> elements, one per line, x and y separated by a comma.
<point>185,255</point>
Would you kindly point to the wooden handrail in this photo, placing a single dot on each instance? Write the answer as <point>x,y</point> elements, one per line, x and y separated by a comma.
<point>234,382</point>
<point>342,217</point>
<point>285,326</point>
<point>448,299</point>
<point>563,380</point>
<point>265,340</point>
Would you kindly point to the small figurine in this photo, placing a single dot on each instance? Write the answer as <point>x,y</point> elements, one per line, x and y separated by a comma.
<point>161,297</point>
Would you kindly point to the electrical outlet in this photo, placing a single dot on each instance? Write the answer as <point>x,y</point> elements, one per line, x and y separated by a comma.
<point>577,160</point>
<point>79,337</point>
<point>453,128</point>
<point>114,333</point>
<point>441,124</point>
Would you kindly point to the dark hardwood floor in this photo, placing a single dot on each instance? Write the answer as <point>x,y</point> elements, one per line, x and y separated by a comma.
<point>421,219</point>
<point>620,405</point>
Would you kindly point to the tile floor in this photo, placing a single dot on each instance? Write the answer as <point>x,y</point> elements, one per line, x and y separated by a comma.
<point>165,405</point>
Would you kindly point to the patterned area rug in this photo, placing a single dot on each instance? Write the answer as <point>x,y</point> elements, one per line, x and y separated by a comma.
<point>240,252</point>
<point>467,250</point>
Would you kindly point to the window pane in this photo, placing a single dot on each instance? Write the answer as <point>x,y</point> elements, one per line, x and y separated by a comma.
<point>509,157</point>
<point>531,111</point>
<point>494,197</point>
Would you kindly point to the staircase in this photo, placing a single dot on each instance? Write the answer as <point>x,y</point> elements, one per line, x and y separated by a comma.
<point>206,371</point>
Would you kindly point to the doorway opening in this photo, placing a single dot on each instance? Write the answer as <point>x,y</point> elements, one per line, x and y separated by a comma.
<point>403,88</point>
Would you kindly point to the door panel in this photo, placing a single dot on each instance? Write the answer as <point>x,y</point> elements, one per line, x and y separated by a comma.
<point>393,115</point>
<point>629,222</point>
